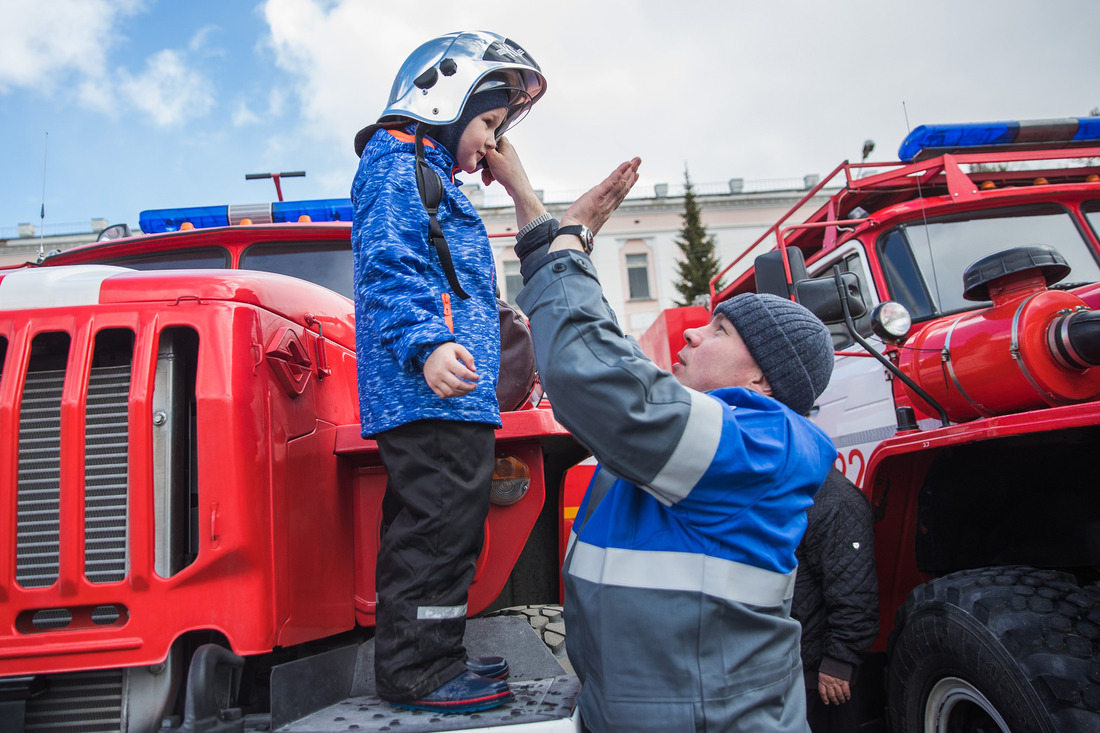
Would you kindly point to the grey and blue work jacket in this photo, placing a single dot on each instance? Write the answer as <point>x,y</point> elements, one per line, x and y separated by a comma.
<point>678,584</point>
<point>404,307</point>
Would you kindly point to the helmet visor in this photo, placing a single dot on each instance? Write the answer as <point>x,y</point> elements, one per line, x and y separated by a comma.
<point>524,89</point>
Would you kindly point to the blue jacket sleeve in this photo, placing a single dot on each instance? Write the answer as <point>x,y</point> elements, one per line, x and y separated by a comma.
<point>390,235</point>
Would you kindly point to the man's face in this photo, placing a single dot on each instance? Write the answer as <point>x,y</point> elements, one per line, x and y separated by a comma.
<point>715,356</point>
<point>478,138</point>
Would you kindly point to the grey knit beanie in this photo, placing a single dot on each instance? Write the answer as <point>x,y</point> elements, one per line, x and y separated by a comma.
<point>789,343</point>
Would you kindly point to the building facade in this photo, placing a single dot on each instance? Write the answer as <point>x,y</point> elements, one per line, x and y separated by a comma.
<point>26,242</point>
<point>636,252</point>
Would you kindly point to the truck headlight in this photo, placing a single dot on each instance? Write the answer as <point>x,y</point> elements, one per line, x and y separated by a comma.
<point>891,321</point>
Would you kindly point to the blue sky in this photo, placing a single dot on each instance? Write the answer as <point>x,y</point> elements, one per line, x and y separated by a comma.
<point>164,103</point>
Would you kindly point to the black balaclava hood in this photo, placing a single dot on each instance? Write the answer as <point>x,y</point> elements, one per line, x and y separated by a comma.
<point>479,103</point>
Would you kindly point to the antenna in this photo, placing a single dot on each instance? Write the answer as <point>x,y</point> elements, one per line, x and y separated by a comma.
<point>924,219</point>
<point>42,212</point>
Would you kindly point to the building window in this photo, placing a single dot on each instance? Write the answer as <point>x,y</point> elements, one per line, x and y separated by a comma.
<point>513,281</point>
<point>637,276</point>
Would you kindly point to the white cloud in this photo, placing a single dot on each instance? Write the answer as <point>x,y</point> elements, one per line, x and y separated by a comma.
<point>167,90</point>
<point>63,44</point>
<point>342,57</point>
<point>98,94</point>
<point>731,88</point>
<point>243,115</point>
<point>198,42</point>
<point>276,102</point>
<point>46,42</point>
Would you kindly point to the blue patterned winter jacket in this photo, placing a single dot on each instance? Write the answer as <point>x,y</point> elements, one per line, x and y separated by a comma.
<point>401,290</point>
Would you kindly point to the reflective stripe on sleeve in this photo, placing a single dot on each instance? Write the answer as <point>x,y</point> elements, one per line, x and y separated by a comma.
<point>431,613</point>
<point>693,454</point>
<point>681,571</point>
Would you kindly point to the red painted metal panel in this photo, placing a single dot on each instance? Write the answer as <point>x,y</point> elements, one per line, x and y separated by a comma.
<point>664,339</point>
<point>259,503</point>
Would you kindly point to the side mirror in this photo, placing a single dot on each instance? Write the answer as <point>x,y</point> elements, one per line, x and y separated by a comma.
<point>115,231</point>
<point>771,277</point>
<point>822,298</point>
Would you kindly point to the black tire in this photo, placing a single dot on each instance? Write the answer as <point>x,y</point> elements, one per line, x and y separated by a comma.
<point>1010,649</point>
<point>547,621</point>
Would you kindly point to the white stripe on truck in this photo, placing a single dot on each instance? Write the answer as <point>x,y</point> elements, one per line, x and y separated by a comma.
<point>54,287</point>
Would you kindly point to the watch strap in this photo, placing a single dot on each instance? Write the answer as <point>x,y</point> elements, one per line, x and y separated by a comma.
<point>579,230</point>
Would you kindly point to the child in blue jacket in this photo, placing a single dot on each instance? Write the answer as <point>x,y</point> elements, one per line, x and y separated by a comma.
<point>428,351</point>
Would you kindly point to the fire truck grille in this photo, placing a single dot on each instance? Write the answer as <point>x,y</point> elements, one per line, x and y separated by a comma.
<point>105,474</point>
<point>81,702</point>
<point>39,505</point>
<point>106,438</point>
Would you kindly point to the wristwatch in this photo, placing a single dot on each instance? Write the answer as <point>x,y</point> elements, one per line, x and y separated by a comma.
<point>579,230</point>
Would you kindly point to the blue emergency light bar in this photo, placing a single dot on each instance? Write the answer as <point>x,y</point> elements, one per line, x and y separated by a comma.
<point>157,221</point>
<point>318,210</point>
<point>930,140</point>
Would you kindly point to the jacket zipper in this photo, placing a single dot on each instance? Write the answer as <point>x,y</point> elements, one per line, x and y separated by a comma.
<point>447,311</point>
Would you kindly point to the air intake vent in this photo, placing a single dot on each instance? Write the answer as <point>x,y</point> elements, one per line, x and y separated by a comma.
<point>106,437</point>
<point>82,702</point>
<point>39,505</point>
<point>106,464</point>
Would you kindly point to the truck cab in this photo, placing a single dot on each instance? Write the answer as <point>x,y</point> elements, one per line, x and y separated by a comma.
<point>190,514</point>
<point>965,403</point>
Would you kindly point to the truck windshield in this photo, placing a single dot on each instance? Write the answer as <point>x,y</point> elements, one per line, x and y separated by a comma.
<point>328,264</point>
<point>1092,214</point>
<point>924,261</point>
<point>211,258</point>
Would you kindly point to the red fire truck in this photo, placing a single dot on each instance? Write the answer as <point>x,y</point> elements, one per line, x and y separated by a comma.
<point>962,287</point>
<point>188,514</point>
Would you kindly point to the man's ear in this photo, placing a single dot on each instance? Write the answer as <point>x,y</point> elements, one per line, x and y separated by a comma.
<point>760,384</point>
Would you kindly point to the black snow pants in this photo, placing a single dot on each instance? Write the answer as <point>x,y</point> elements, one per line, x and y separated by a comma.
<point>439,473</point>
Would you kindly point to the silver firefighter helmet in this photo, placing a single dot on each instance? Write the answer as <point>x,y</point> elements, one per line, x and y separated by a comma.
<point>435,81</point>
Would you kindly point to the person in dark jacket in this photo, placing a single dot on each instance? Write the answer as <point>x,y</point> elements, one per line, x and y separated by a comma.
<point>428,349</point>
<point>836,601</point>
<point>680,574</point>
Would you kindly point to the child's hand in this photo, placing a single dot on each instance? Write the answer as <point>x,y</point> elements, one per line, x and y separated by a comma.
<point>502,164</point>
<point>449,370</point>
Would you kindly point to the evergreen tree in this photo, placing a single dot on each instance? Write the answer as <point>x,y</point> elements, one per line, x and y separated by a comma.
<point>699,263</point>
